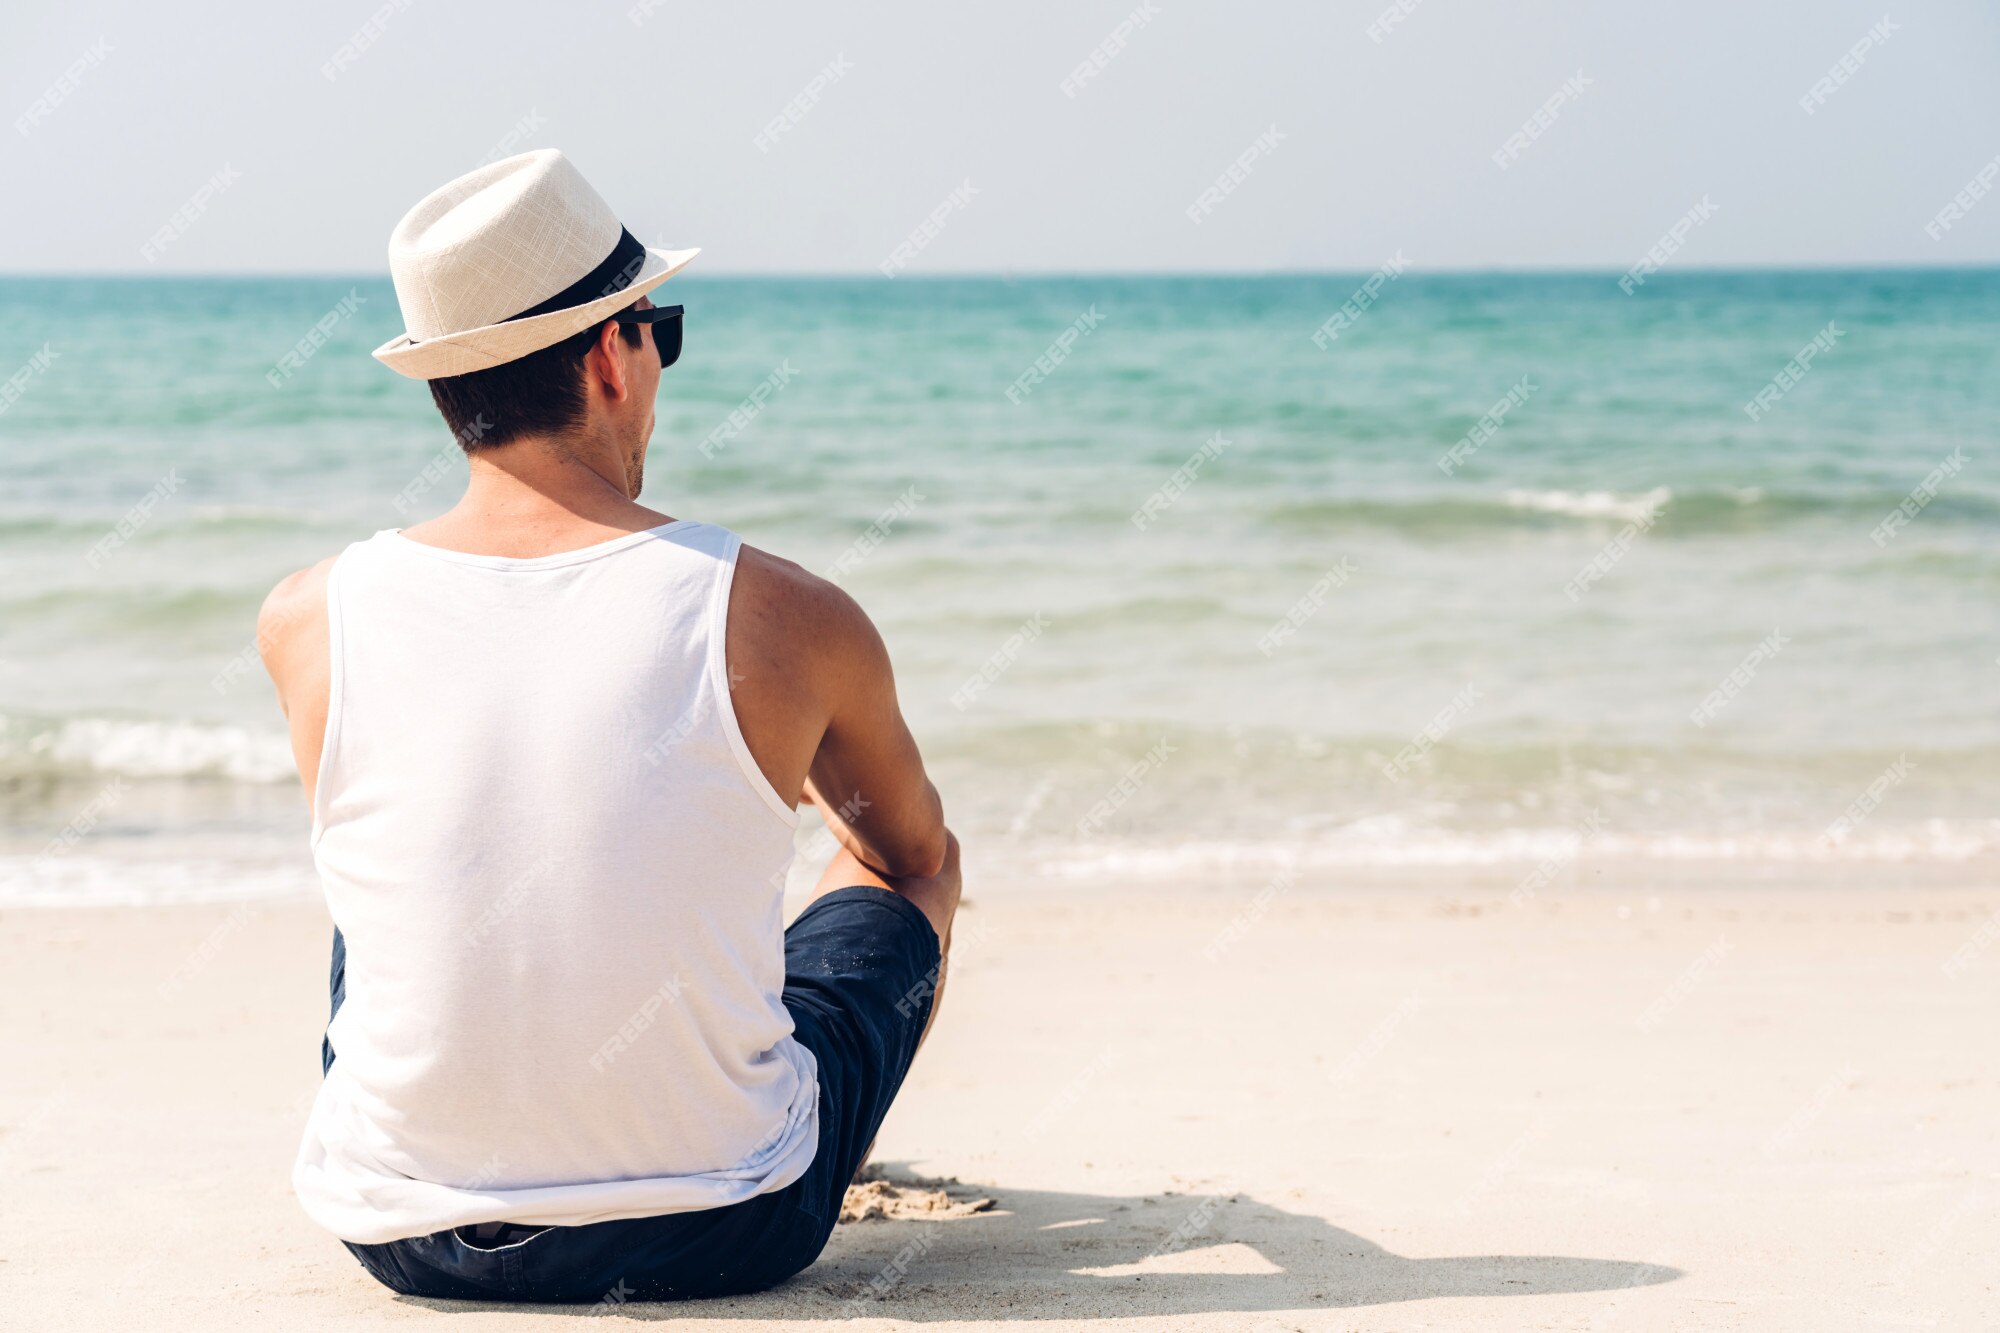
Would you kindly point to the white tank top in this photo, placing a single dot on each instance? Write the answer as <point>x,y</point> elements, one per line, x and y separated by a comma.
<point>559,873</point>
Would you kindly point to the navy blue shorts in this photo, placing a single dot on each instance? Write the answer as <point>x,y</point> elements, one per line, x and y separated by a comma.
<point>861,965</point>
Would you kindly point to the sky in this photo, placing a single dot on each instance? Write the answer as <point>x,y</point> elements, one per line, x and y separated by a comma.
<point>1261,135</point>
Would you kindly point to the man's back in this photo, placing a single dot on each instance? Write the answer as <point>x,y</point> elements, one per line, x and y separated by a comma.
<point>558,871</point>
<point>813,692</point>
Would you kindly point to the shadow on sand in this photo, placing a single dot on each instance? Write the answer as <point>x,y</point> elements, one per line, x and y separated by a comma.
<point>1041,1255</point>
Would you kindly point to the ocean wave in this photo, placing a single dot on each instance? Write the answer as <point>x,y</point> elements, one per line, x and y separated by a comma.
<point>84,525</point>
<point>236,869</point>
<point>1592,504</point>
<point>126,609</point>
<point>156,880</point>
<point>1391,843</point>
<point>120,747</point>
<point>1727,509</point>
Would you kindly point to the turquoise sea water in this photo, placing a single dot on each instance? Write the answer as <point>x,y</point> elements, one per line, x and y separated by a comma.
<point>1446,635</point>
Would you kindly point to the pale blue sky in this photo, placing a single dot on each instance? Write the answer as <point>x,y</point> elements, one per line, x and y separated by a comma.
<point>1386,145</point>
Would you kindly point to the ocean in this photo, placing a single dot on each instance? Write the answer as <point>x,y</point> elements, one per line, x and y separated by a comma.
<point>1283,580</point>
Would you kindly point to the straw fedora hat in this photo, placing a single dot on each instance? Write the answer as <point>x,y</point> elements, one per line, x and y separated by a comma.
<point>507,260</point>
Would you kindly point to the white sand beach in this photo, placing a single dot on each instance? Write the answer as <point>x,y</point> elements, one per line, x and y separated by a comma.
<point>1395,1108</point>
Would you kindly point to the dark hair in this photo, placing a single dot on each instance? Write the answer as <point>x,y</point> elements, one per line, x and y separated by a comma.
<point>538,394</point>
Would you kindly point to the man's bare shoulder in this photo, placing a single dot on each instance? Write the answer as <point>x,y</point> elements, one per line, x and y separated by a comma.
<point>798,603</point>
<point>294,610</point>
<point>801,651</point>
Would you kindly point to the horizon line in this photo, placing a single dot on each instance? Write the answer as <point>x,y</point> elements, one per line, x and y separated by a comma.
<point>1004,275</point>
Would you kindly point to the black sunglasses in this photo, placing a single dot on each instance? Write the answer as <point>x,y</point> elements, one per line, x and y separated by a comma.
<point>666,322</point>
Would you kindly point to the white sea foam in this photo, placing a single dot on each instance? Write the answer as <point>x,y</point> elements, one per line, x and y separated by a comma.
<point>239,867</point>
<point>157,879</point>
<point>1385,842</point>
<point>1592,504</point>
<point>147,749</point>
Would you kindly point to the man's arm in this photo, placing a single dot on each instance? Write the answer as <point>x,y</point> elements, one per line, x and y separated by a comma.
<point>864,770</point>
<point>868,778</point>
<point>292,638</point>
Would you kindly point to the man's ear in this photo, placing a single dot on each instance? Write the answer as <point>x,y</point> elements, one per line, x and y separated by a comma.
<point>605,366</point>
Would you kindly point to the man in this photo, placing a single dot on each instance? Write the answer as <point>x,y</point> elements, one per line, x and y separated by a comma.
<point>553,742</point>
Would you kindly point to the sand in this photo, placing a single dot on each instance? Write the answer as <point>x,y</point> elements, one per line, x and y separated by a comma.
<point>1396,1108</point>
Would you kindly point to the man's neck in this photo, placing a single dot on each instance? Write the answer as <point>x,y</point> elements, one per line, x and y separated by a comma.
<point>537,496</point>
